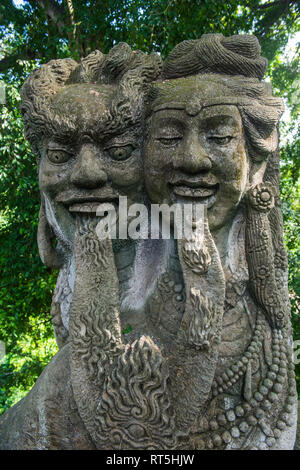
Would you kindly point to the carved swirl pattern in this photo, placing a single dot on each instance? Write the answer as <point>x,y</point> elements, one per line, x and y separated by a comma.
<point>134,411</point>
<point>94,342</point>
<point>197,258</point>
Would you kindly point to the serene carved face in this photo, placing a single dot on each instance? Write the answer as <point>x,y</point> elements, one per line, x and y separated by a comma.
<point>196,152</point>
<point>91,160</point>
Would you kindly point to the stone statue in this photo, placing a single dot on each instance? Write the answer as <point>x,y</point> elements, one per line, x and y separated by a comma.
<point>178,343</point>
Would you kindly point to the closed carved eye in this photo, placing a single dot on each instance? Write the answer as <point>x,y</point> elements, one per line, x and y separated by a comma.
<point>58,156</point>
<point>120,153</point>
<point>220,140</point>
<point>169,141</point>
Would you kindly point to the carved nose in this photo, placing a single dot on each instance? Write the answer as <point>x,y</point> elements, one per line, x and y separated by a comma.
<point>194,158</point>
<point>88,171</point>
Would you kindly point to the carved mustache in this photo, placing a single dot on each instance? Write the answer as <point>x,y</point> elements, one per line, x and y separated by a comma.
<point>74,197</point>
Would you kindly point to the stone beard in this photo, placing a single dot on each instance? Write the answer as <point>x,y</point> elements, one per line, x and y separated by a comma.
<point>207,363</point>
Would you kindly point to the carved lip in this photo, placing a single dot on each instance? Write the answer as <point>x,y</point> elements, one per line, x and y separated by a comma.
<point>207,181</point>
<point>203,192</point>
<point>87,203</point>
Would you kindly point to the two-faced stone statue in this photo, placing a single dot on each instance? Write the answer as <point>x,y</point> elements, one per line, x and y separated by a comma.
<point>207,360</point>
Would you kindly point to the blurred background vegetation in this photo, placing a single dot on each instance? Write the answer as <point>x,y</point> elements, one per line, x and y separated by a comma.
<point>34,31</point>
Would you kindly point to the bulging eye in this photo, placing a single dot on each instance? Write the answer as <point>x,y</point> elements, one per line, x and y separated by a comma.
<point>58,156</point>
<point>120,153</point>
<point>220,140</point>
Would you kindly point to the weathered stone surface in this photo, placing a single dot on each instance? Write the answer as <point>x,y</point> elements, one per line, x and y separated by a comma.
<point>164,343</point>
<point>47,418</point>
<point>297,443</point>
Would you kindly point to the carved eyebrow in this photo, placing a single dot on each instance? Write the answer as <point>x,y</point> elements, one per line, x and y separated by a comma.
<point>168,124</point>
<point>69,135</point>
<point>216,101</point>
<point>59,139</point>
<point>217,119</point>
<point>55,144</point>
<point>59,129</point>
<point>117,133</point>
<point>171,105</point>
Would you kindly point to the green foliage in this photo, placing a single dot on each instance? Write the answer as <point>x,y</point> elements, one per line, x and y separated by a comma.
<point>290,192</point>
<point>127,329</point>
<point>36,31</point>
<point>26,285</point>
<point>33,34</point>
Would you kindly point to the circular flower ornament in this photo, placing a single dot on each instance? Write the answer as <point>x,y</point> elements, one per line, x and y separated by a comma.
<point>280,319</point>
<point>263,272</point>
<point>262,197</point>
<point>271,300</point>
<point>280,259</point>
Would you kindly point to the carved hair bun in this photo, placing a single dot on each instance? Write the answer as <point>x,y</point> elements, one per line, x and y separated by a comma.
<point>213,53</point>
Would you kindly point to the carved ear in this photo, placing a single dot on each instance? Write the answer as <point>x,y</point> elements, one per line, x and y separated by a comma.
<point>49,255</point>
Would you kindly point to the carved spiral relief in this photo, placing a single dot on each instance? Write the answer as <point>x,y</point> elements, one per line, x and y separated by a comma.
<point>134,411</point>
